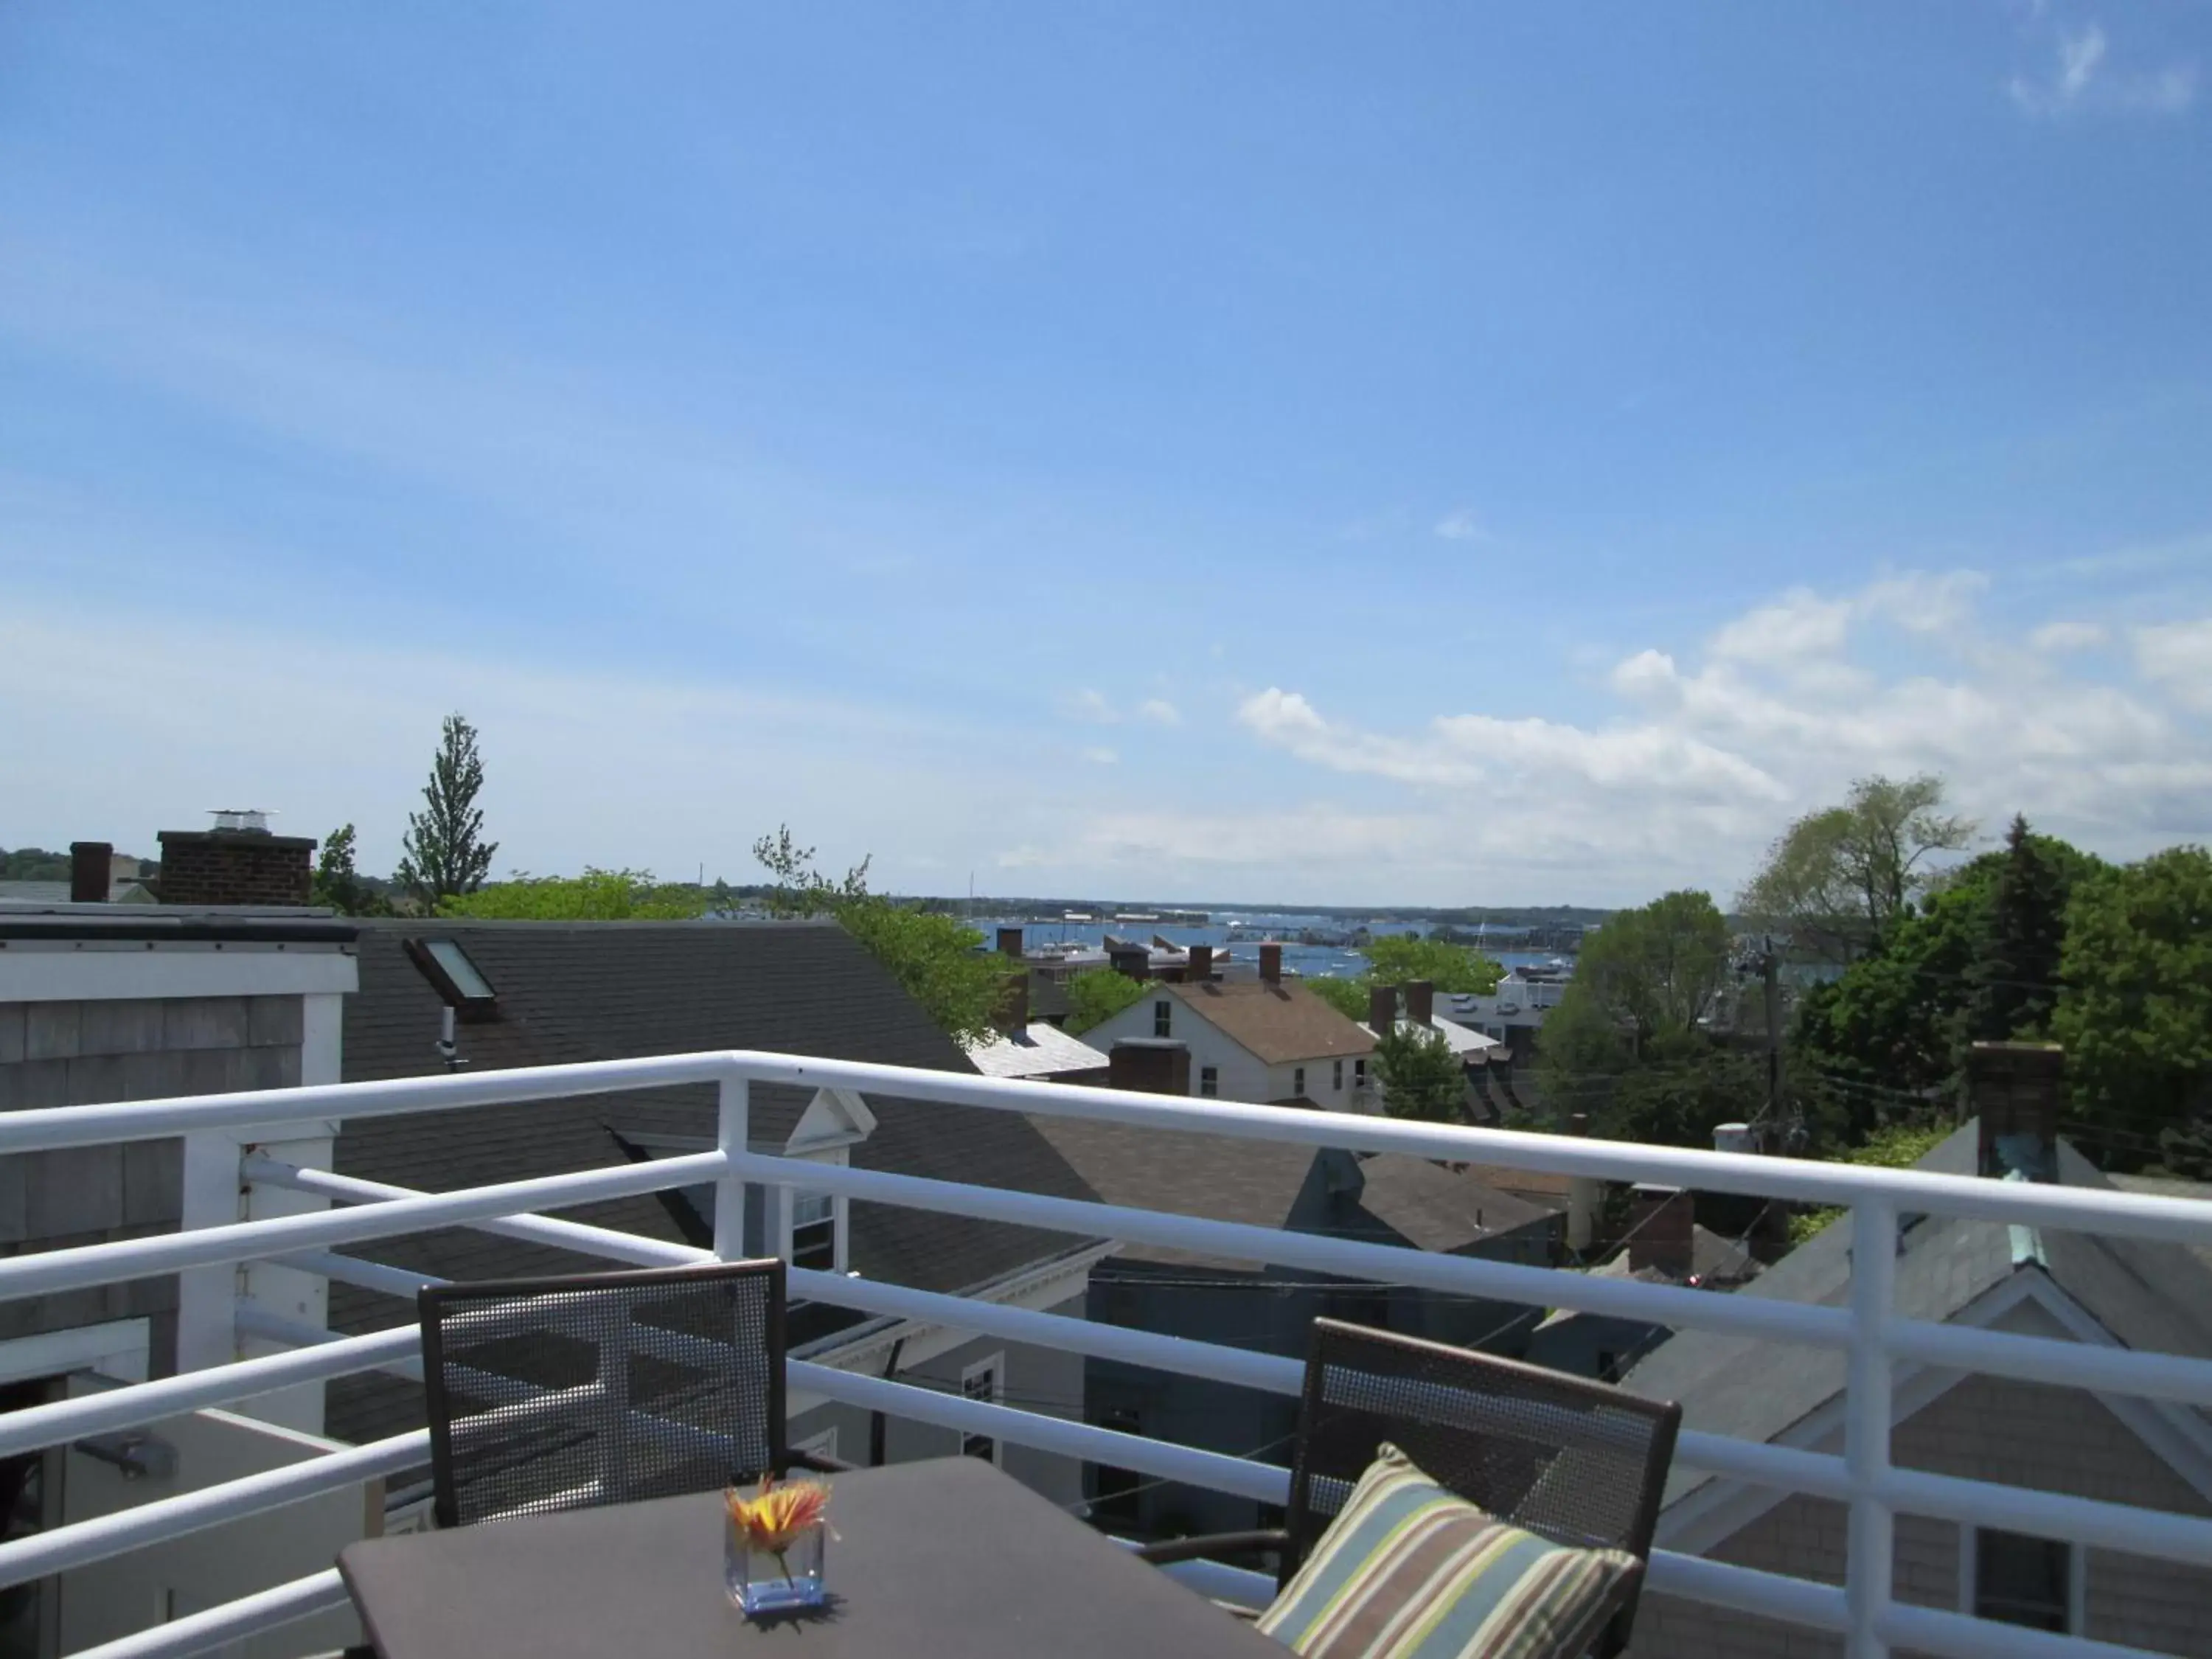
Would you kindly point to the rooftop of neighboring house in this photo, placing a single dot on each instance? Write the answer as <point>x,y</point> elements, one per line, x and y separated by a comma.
<point>1278,1021</point>
<point>1717,1261</point>
<point>2143,1294</point>
<point>1462,1041</point>
<point>63,920</point>
<point>1037,1050</point>
<point>1387,1197</point>
<point>571,992</point>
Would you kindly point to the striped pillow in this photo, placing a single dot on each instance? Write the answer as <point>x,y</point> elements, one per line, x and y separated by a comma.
<point>1411,1571</point>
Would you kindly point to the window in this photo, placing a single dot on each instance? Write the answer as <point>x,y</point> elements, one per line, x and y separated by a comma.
<point>2019,1580</point>
<point>1298,1081</point>
<point>1209,1081</point>
<point>814,1231</point>
<point>1359,1075</point>
<point>1161,1013</point>
<point>1336,1076</point>
<point>1115,1494</point>
<point>985,1381</point>
<point>459,983</point>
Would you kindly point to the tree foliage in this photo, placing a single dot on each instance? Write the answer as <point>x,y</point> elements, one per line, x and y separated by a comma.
<point>2136,1014</point>
<point>1421,1075</point>
<point>2012,982</point>
<point>596,895</point>
<point>1347,996</point>
<point>933,955</point>
<point>1395,958</point>
<point>1096,997</point>
<point>338,884</point>
<point>444,853</point>
<point>1837,879</point>
<point>1626,1042</point>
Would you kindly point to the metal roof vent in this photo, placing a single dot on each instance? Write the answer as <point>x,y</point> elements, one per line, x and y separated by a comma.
<point>242,818</point>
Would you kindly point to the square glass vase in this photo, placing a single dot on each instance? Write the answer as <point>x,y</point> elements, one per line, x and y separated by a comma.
<point>762,1582</point>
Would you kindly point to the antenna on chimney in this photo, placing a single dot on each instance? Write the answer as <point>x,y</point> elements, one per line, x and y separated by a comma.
<point>241,817</point>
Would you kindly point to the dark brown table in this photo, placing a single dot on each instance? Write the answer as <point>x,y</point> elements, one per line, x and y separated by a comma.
<point>948,1557</point>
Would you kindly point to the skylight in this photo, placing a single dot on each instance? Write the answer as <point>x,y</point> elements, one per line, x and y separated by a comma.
<point>455,977</point>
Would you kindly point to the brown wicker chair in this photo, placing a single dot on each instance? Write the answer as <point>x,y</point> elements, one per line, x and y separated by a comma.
<point>1575,1461</point>
<point>559,1393</point>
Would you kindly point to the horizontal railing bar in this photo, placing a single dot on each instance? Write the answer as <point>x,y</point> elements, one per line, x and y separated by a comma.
<point>578,1236</point>
<point>35,1427</point>
<point>1745,1589</point>
<point>1264,1483</point>
<point>1955,1636</point>
<point>2141,1215</point>
<point>1820,1474</point>
<point>2025,1203</point>
<point>1776,1320</point>
<point>52,1271</point>
<point>405,1359</point>
<point>82,1542</point>
<point>233,1621</point>
<point>400,1283</point>
<point>52,1127</point>
<point>2047,1359</point>
<point>2140,1531</point>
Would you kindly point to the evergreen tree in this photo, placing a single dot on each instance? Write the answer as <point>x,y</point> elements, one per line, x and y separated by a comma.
<point>2013,982</point>
<point>338,884</point>
<point>444,853</point>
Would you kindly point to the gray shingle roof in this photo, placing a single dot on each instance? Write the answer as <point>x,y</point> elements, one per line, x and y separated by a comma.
<point>2149,1296</point>
<point>598,991</point>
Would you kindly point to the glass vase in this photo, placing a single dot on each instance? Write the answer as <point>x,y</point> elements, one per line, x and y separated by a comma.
<point>763,1580</point>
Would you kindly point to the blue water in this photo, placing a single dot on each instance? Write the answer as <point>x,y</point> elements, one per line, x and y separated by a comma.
<point>1243,938</point>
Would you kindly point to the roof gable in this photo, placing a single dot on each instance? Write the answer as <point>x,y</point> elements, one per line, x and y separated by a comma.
<point>1277,1023</point>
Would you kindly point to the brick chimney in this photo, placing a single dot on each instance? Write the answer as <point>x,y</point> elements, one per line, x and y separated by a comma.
<point>1420,1001</point>
<point>2016,1088</point>
<point>1271,964</point>
<point>92,865</point>
<point>1149,1065</point>
<point>1382,1009</point>
<point>1659,1220</point>
<point>1201,964</point>
<point>238,862</point>
<point>1010,942</point>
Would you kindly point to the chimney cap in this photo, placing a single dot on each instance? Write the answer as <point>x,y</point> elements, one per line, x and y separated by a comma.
<point>242,818</point>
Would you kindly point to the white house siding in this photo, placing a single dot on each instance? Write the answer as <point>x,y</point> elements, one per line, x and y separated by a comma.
<point>1242,1075</point>
<point>2025,1434</point>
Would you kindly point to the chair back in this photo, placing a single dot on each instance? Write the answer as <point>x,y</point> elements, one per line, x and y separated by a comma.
<point>561,1393</point>
<point>1576,1462</point>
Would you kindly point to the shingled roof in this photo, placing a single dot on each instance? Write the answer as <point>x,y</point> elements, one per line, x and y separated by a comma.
<point>2148,1295</point>
<point>612,990</point>
<point>1279,1022</point>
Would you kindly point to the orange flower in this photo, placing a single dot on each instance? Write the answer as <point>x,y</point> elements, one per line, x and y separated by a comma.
<point>772,1522</point>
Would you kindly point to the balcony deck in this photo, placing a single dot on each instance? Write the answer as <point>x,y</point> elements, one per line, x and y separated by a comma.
<point>238,1143</point>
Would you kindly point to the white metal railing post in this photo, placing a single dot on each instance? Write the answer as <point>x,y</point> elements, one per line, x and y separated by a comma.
<point>207,1297</point>
<point>1871,1546</point>
<point>733,1125</point>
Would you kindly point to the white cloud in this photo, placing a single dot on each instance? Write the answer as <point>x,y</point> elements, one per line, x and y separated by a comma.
<point>1092,707</point>
<point>2057,637</point>
<point>1101,757</point>
<point>2078,78</point>
<point>2178,657</point>
<point>1160,712</point>
<point>1706,759</point>
<point>1460,524</point>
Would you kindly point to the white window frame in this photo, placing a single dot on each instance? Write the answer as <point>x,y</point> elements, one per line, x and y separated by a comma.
<point>1298,1079</point>
<point>2077,1577</point>
<point>837,1228</point>
<point>1336,1077</point>
<point>994,1366</point>
<point>1163,1017</point>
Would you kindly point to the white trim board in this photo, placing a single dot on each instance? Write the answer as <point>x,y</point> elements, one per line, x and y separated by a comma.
<point>118,1349</point>
<point>1722,1508</point>
<point>45,973</point>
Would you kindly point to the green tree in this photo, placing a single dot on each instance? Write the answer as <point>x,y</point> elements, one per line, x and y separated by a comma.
<point>1394,958</point>
<point>1837,879</point>
<point>934,957</point>
<point>596,895</point>
<point>2135,1012</point>
<point>444,853</point>
<point>1627,1043</point>
<point>1347,996</point>
<point>1096,997</point>
<point>1421,1076</point>
<point>2016,965</point>
<point>338,884</point>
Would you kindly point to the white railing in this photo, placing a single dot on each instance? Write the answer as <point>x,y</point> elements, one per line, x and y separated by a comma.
<point>235,1143</point>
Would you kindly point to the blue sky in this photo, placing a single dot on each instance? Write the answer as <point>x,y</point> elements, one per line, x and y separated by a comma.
<point>1432,453</point>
